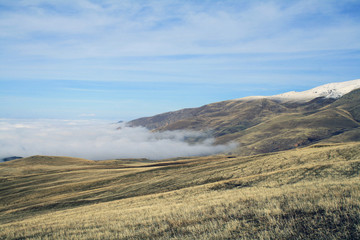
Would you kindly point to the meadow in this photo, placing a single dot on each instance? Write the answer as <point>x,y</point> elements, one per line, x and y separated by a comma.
<point>305,193</point>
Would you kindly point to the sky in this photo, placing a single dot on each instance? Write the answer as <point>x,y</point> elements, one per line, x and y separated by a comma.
<point>120,60</point>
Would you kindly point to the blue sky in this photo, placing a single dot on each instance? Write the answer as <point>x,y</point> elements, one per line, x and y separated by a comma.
<point>119,60</point>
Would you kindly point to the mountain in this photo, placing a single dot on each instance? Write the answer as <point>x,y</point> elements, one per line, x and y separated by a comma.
<point>267,124</point>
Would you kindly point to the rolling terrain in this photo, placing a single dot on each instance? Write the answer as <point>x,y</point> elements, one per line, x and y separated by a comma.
<point>307,193</point>
<point>294,175</point>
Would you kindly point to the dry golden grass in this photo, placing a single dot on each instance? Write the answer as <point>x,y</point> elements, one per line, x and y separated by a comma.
<point>310,193</point>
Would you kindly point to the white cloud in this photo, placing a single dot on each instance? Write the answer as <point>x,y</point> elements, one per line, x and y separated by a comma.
<point>179,41</point>
<point>97,140</point>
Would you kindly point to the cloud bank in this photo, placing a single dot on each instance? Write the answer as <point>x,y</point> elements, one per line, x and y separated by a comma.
<point>98,141</point>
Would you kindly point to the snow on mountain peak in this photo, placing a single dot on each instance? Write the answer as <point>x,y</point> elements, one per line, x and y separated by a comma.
<point>330,90</point>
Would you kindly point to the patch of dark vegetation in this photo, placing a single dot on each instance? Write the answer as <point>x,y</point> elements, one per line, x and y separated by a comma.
<point>232,129</point>
<point>231,185</point>
<point>9,158</point>
<point>320,146</point>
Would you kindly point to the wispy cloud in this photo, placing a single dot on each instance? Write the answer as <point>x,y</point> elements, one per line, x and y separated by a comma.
<point>98,141</point>
<point>80,29</point>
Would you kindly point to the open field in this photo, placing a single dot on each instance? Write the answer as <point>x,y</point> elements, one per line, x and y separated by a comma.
<point>311,192</point>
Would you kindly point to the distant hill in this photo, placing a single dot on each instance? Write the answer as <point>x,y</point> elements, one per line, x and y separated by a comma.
<point>268,124</point>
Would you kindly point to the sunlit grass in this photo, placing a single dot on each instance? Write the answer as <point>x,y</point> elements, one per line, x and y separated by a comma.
<point>309,193</point>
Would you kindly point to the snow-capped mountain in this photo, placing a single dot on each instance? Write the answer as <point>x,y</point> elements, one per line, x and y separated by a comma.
<point>331,90</point>
<point>261,125</point>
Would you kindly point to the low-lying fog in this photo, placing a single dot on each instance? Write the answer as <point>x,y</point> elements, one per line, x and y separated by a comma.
<point>98,140</point>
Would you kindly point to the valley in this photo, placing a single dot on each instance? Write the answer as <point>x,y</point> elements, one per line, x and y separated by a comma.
<point>293,175</point>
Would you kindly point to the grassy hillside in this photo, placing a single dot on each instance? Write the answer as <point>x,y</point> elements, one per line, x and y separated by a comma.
<point>350,102</point>
<point>308,193</point>
<point>288,131</point>
<point>215,116</point>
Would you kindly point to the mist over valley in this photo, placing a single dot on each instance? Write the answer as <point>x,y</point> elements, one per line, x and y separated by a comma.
<point>98,140</point>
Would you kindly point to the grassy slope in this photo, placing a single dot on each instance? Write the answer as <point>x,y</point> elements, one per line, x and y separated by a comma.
<point>263,125</point>
<point>292,130</point>
<point>221,117</point>
<point>312,192</point>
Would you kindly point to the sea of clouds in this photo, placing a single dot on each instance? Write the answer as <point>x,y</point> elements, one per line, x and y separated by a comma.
<point>99,140</point>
